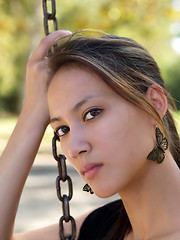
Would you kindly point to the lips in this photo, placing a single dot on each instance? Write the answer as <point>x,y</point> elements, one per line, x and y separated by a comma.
<point>90,170</point>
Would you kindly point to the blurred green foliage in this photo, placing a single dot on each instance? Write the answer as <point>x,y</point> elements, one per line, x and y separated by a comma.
<point>172,77</point>
<point>15,22</point>
<point>21,27</point>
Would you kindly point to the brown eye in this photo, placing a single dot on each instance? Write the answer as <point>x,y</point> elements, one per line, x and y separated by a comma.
<point>92,113</point>
<point>62,131</point>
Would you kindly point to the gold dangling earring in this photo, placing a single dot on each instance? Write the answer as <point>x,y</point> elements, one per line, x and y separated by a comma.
<point>157,154</point>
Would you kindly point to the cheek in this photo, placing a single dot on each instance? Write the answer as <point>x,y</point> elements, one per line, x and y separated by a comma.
<point>62,149</point>
<point>112,128</point>
<point>124,135</point>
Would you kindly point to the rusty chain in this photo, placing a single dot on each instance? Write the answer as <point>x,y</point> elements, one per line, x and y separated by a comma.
<point>61,160</point>
<point>65,198</point>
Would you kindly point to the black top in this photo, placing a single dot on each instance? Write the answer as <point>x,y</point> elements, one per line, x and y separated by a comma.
<point>98,223</point>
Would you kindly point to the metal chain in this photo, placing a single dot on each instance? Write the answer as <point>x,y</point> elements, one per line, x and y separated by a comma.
<point>65,198</point>
<point>61,160</point>
<point>49,16</point>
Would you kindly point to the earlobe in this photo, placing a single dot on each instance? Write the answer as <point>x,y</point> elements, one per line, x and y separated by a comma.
<point>158,98</point>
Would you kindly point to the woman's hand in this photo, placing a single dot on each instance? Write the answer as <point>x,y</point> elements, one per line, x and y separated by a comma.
<point>38,74</point>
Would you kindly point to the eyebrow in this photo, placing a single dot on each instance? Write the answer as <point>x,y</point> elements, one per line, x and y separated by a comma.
<point>75,108</point>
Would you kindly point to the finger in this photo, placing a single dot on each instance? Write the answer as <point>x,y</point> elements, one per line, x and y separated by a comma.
<point>47,42</point>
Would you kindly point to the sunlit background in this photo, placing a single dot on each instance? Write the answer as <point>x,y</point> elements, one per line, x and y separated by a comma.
<point>155,24</point>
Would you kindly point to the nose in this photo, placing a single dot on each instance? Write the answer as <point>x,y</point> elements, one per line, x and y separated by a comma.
<point>78,144</point>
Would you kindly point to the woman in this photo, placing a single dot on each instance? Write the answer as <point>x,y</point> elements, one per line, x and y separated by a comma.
<point>115,128</point>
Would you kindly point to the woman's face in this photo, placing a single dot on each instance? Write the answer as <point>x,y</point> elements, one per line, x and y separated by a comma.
<point>105,137</point>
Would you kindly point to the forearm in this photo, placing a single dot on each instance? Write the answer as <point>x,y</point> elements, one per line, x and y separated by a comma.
<point>15,164</point>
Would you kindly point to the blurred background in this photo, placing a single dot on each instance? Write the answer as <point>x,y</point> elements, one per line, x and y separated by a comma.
<point>155,24</point>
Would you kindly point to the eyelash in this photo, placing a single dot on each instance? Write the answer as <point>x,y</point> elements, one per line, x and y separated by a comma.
<point>60,129</point>
<point>66,129</point>
<point>97,113</point>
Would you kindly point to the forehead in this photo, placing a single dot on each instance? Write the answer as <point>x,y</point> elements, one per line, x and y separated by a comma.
<point>77,80</point>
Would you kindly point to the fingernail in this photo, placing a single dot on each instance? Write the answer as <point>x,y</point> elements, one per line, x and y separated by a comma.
<point>67,32</point>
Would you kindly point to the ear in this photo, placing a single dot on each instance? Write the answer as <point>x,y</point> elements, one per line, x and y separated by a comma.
<point>159,100</point>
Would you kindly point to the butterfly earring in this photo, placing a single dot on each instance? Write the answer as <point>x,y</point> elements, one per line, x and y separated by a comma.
<point>87,188</point>
<point>157,154</point>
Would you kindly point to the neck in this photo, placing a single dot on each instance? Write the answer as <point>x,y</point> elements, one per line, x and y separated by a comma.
<point>152,200</point>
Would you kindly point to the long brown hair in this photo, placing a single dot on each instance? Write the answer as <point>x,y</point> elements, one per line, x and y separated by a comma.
<point>129,70</point>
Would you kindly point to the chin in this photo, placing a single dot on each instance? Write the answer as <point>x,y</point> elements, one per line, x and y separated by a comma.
<point>103,194</point>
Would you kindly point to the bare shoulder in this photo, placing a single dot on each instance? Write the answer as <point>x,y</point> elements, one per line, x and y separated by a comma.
<point>51,232</point>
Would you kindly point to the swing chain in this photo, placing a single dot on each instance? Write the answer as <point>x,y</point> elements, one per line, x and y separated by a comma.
<point>49,16</point>
<point>63,177</point>
<point>61,160</point>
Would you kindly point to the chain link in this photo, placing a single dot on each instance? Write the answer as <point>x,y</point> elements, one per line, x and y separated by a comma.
<point>63,177</point>
<point>49,16</point>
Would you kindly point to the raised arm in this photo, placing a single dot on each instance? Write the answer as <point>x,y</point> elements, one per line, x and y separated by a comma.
<point>19,154</point>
